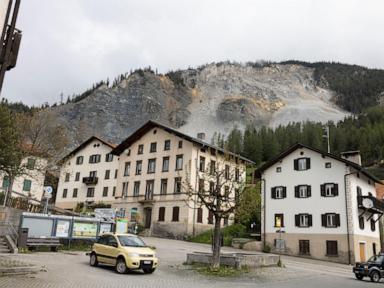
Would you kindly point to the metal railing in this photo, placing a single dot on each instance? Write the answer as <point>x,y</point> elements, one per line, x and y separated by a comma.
<point>7,228</point>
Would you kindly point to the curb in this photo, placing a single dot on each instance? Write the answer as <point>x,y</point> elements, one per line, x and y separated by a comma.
<point>19,270</point>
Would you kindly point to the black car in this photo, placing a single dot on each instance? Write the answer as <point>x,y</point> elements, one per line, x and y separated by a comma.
<point>373,268</point>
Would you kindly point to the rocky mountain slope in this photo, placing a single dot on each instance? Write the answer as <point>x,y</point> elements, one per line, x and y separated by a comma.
<point>211,98</point>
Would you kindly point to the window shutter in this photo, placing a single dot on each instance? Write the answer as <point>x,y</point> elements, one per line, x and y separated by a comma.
<point>309,220</point>
<point>308,163</point>
<point>335,189</point>
<point>296,164</point>
<point>282,220</point>
<point>324,220</point>
<point>297,192</point>
<point>284,192</point>
<point>322,190</point>
<point>273,192</point>
<point>309,191</point>
<point>297,220</point>
<point>337,220</point>
<point>274,242</point>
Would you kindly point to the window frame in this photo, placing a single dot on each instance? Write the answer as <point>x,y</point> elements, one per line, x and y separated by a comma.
<point>153,147</point>
<point>167,145</point>
<point>151,164</point>
<point>162,182</point>
<point>139,163</point>
<point>175,214</point>
<point>179,158</point>
<point>140,149</point>
<point>127,169</point>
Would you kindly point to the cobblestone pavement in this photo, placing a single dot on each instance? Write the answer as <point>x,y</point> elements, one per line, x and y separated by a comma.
<point>71,269</point>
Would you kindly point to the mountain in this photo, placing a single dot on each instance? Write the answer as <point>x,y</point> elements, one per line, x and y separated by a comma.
<point>218,96</point>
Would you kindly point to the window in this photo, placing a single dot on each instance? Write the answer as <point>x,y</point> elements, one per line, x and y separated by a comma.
<point>279,192</point>
<point>373,225</point>
<point>331,248</point>
<point>77,176</point>
<point>116,173</point>
<point>302,164</point>
<point>304,247</point>
<point>177,185</point>
<point>226,191</point>
<point>202,164</point>
<point>92,174</point>
<point>237,174</point>
<point>105,192</point>
<point>328,165</point>
<point>67,175</point>
<point>27,185</point>
<point>179,162</point>
<point>136,188</point>
<point>165,167</point>
<point>358,191</point>
<point>212,167</point>
<point>161,214</point>
<point>109,157</point>
<point>201,185</point>
<point>31,163</point>
<point>153,147</point>
<point>302,191</point>
<point>225,221</point>
<point>180,145</point>
<point>65,192</point>
<point>140,149</point>
<point>167,144</point>
<point>107,173</point>
<point>134,214</point>
<point>124,193</point>
<point>199,215</point>
<point>90,192</point>
<point>149,189</point>
<point>361,222</point>
<point>139,166</point>
<point>329,190</point>
<point>330,220</point>
<point>127,168</point>
<point>94,158</point>
<point>226,172</point>
<point>211,187</point>
<point>210,217</point>
<point>278,169</point>
<point>279,220</point>
<point>74,194</point>
<point>163,186</point>
<point>5,182</point>
<point>303,220</point>
<point>114,191</point>
<point>79,160</point>
<point>151,165</point>
<point>175,214</point>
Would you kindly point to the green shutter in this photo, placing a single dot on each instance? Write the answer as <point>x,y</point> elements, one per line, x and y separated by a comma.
<point>27,185</point>
<point>5,182</point>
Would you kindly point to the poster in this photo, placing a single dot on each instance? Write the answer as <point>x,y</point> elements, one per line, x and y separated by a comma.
<point>83,229</point>
<point>62,228</point>
<point>122,226</point>
<point>105,227</point>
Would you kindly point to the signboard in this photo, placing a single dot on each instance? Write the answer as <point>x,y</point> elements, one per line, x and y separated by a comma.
<point>105,227</point>
<point>105,213</point>
<point>62,228</point>
<point>83,229</point>
<point>122,226</point>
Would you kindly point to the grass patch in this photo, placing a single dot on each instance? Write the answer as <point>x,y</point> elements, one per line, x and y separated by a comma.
<point>229,232</point>
<point>223,271</point>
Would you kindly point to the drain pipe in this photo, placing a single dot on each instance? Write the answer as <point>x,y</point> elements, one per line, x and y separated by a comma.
<point>264,195</point>
<point>346,213</point>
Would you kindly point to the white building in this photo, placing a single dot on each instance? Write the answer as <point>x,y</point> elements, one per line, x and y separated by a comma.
<point>87,175</point>
<point>320,205</point>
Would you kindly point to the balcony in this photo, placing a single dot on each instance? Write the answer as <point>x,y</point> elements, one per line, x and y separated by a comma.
<point>147,199</point>
<point>90,180</point>
<point>370,204</point>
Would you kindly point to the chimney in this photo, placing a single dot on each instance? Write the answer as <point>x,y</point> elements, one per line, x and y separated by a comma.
<point>201,136</point>
<point>353,156</point>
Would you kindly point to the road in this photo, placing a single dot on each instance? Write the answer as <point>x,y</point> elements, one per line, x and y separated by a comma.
<point>71,269</point>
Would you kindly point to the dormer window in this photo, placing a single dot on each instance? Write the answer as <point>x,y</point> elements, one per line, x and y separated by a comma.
<point>302,164</point>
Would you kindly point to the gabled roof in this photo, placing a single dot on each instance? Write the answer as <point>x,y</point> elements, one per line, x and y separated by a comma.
<point>299,145</point>
<point>84,144</point>
<point>151,124</point>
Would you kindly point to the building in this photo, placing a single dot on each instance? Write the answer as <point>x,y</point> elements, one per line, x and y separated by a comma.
<point>319,205</point>
<point>155,163</point>
<point>380,195</point>
<point>31,182</point>
<point>87,175</point>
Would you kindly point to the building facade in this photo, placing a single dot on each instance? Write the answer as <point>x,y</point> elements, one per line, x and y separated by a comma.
<point>318,205</point>
<point>87,175</point>
<point>156,163</point>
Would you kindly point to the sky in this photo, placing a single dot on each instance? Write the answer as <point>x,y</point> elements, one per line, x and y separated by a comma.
<point>68,45</point>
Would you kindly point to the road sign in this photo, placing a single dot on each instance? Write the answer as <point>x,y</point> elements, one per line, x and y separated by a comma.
<point>48,189</point>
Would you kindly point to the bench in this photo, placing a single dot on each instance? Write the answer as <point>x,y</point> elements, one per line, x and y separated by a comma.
<point>53,243</point>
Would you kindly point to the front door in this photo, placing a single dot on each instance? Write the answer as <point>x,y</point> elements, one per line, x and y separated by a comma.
<point>148,218</point>
<point>362,252</point>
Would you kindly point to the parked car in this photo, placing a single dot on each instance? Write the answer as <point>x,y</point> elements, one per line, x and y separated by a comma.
<point>373,268</point>
<point>125,252</point>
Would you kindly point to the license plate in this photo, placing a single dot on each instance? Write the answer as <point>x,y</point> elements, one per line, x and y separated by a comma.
<point>147,262</point>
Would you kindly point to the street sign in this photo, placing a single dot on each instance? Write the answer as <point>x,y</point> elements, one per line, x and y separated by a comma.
<point>48,189</point>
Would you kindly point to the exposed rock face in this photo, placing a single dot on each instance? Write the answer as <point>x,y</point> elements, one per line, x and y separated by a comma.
<point>210,99</point>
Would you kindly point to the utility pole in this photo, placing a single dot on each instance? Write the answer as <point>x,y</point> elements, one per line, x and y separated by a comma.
<point>326,135</point>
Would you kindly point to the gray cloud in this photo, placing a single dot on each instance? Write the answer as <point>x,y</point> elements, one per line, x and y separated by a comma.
<point>68,45</point>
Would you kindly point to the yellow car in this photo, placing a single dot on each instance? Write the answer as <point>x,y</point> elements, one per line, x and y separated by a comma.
<point>125,252</point>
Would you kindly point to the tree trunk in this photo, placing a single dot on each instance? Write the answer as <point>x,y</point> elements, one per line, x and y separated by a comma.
<point>8,192</point>
<point>216,244</point>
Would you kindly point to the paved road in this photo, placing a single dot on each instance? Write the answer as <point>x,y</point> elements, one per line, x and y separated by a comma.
<point>73,270</point>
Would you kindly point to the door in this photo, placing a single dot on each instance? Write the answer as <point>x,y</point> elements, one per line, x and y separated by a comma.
<point>148,218</point>
<point>362,252</point>
<point>111,250</point>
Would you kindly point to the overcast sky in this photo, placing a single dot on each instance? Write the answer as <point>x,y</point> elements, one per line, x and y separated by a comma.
<point>68,45</point>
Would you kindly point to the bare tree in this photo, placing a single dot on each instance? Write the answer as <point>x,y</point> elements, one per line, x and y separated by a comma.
<point>218,190</point>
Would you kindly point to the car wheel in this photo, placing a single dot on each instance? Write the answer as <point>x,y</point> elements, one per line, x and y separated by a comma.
<point>149,270</point>
<point>93,260</point>
<point>121,267</point>
<point>359,276</point>
<point>375,276</point>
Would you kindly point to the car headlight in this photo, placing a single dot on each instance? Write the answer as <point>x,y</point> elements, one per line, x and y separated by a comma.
<point>133,255</point>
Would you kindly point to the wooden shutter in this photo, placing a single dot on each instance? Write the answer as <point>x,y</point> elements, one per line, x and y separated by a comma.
<point>308,160</point>
<point>297,220</point>
<point>309,220</point>
<point>324,220</point>
<point>296,164</point>
<point>309,194</point>
<point>161,213</point>
<point>337,220</point>
<point>200,215</point>
<point>322,190</point>
<point>297,195</point>
<point>284,192</point>
<point>282,220</point>
<point>335,189</point>
<point>273,192</point>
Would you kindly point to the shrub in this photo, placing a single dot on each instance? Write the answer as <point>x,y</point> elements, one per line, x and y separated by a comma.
<point>267,248</point>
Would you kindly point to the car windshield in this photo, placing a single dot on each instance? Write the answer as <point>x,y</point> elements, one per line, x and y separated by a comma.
<point>131,241</point>
<point>376,259</point>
